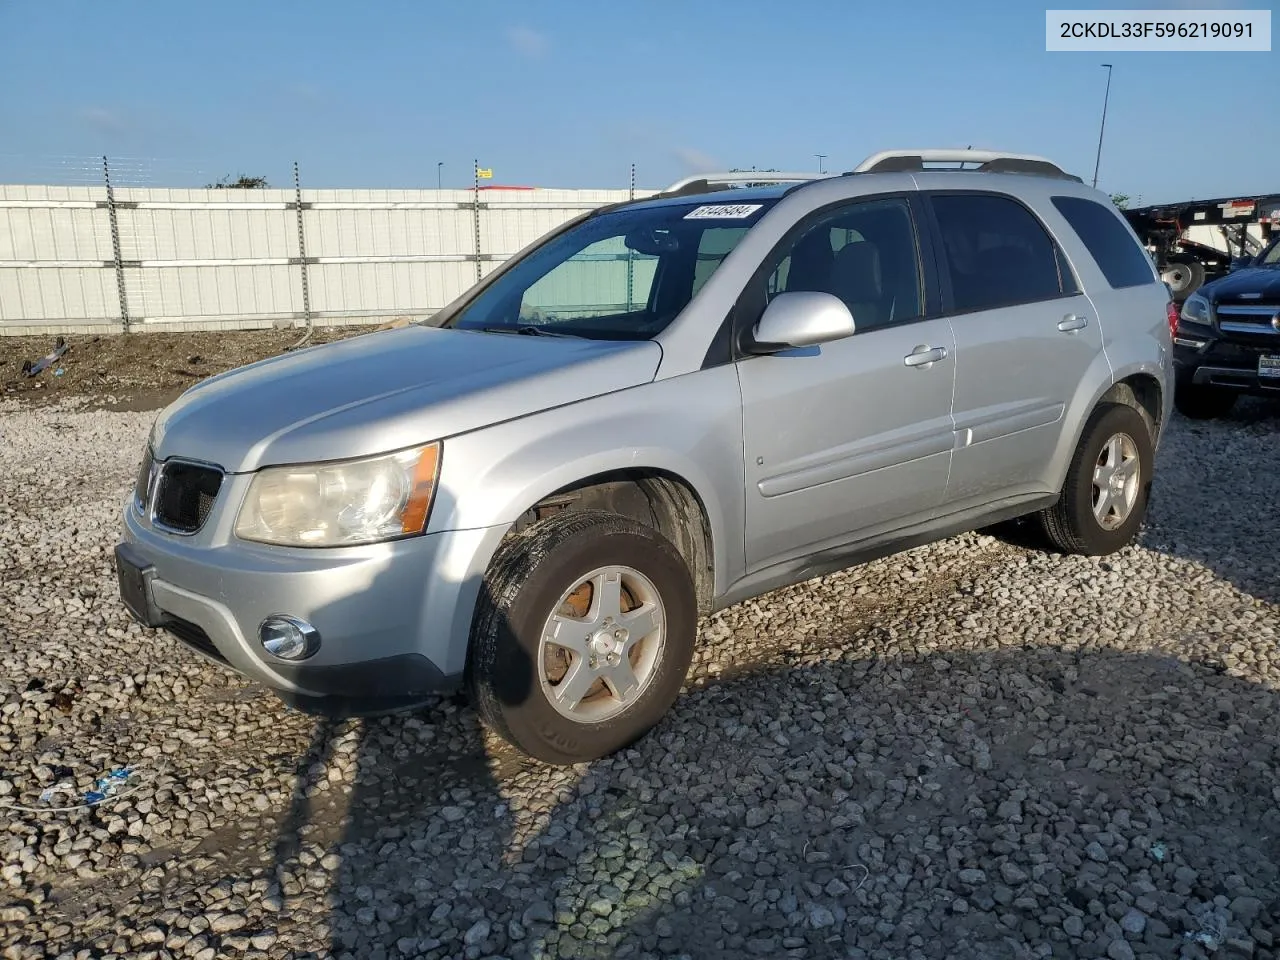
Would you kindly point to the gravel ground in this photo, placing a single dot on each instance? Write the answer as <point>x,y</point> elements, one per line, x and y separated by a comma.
<point>970,750</point>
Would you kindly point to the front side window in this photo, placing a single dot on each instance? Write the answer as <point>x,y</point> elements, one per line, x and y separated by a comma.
<point>864,253</point>
<point>1271,256</point>
<point>623,275</point>
<point>1122,261</point>
<point>997,253</point>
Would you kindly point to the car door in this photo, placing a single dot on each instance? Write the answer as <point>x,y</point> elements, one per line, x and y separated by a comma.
<point>853,436</point>
<point>1025,335</point>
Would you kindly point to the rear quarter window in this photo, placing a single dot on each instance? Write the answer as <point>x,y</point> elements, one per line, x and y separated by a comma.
<point>1122,261</point>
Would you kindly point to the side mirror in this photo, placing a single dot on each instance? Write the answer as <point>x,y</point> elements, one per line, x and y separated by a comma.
<point>803,318</point>
<point>1239,263</point>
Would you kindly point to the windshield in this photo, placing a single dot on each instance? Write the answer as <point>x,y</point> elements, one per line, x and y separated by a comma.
<point>623,275</point>
<point>1271,256</point>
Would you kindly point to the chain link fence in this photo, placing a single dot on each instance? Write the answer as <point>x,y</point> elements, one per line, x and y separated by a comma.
<point>103,247</point>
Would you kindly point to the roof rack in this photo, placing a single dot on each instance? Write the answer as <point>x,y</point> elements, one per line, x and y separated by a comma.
<point>703,182</point>
<point>987,161</point>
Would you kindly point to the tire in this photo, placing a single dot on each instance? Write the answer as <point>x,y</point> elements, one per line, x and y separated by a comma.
<point>1071,524</point>
<point>1184,277</point>
<point>1198,402</point>
<point>511,673</point>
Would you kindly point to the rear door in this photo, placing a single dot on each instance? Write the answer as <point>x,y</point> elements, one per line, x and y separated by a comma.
<point>853,436</point>
<point>1025,336</point>
<point>1123,283</point>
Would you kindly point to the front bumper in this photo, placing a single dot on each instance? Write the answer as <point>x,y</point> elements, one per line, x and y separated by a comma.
<point>1225,364</point>
<point>393,618</point>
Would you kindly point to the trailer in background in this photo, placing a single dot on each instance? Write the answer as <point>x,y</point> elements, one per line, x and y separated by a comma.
<point>1196,241</point>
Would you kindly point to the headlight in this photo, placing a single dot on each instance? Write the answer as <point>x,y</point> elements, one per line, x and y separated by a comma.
<point>337,504</point>
<point>1195,309</point>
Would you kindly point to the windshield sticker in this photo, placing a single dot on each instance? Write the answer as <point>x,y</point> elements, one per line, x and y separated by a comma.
<point>723,211</point>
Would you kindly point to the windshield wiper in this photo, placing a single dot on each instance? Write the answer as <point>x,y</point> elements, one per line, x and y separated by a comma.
<point>530,330</point>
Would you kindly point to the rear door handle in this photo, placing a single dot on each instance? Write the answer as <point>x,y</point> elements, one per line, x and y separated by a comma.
<point>1072,322</point>
<point>924,356</point>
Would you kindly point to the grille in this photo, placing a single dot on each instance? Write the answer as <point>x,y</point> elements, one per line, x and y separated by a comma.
<point>1252,322</point>
<point>193,637</point>
<point>185,495</point>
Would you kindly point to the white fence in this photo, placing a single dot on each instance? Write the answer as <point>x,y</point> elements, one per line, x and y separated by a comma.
<point>85,259</point>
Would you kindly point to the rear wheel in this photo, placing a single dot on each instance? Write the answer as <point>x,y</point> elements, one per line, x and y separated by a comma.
<point>1199,402</point>
<point>1104,498</point>
<point>583,636</point>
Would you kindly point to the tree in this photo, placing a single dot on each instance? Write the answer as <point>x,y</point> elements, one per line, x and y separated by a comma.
<point>241,182</point>
<point>1121,200</point>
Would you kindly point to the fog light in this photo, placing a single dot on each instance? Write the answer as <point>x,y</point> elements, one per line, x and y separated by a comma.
<point>288,637</point>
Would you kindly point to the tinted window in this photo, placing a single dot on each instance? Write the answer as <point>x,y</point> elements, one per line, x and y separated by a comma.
<point>1121,260</point>
<point>863,253</point>
<point>997,253</point>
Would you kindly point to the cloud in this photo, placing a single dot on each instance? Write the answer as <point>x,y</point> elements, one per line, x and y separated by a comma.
<point>695,160</point>
<point>104,120</point>
<point>528,41</point>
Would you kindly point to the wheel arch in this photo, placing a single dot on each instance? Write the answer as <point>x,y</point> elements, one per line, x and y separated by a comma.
<point>1143,392</point>
<point>1139,386</point>
<point>657,497</point>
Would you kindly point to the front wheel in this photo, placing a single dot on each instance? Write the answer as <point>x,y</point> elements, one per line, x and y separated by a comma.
<point>1104,498</point>
<point>583,636</point>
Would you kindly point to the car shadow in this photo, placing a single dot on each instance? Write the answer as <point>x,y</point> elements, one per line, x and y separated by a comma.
<point>866,800</point>
<point>959,804</point>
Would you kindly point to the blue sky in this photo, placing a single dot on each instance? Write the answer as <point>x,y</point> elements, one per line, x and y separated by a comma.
<point>568,94</point>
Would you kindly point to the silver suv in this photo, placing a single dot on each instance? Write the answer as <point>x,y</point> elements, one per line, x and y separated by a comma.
<point>659,409</point>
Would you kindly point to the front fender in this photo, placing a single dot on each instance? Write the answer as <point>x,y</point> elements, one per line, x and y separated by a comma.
<point>689,426</point>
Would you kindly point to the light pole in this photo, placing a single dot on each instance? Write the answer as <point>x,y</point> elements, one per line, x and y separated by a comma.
<point>1103,127</point>
<point>821,157</point>
<point>439,166</point>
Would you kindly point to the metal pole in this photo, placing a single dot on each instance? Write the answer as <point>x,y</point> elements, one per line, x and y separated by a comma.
<point>821,157</point>
<point>302,246</point>
<point>1102,128</point>
<point>115,246</point>
<point>476,166</point>
<point>439,166</point>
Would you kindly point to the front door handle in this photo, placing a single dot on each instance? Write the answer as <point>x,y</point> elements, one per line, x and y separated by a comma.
<point>1071,322</point>
<point>925,356</point>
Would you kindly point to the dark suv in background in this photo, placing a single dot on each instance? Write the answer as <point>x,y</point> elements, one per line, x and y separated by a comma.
<point>1228,339</point>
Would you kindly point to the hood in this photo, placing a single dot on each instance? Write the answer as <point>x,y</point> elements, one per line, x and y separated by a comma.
<point>1263,280</point>
<point>387,390</point>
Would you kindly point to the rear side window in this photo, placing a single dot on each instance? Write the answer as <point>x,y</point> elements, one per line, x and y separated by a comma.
<point>997,253</point>
<point>1121,260</point>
